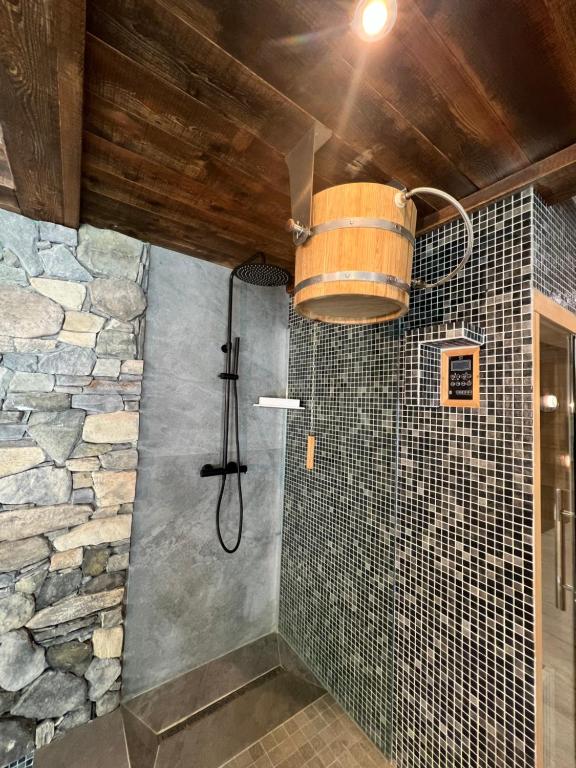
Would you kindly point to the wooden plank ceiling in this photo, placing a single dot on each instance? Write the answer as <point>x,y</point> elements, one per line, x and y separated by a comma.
<point>190,107</point>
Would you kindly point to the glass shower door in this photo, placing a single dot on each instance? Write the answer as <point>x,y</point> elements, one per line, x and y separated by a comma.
<point>557,533</point>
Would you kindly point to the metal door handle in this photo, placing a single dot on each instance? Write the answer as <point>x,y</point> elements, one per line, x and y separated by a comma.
<point>560,515</point>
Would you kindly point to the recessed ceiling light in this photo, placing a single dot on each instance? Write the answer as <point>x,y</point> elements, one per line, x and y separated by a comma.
<point>374,18</point>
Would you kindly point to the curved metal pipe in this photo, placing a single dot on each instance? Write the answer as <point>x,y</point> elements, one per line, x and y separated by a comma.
<point>401,198</point>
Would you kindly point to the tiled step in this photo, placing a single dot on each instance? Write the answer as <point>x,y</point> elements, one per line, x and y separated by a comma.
<point>93,745</point>
<point>216,734</point>
<point>202,718</point>
<point>176,701</point>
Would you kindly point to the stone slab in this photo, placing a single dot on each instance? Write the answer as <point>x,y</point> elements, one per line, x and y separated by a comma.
<point>42,401</point>
<point>19,235</point>
<point>83,322</point>
<point>14,460</point>
<point>70,558</point>
<point>108,643</point>
<point>68,360</point>
<point>57,233</point>
<point>26,314</point>
<point>105,252</point>
<point>56,433</point>
<point>17,554</point>
<point>106,529</point>
<point>121,299</point>
<point>31,382</point>
<point>114,487</point>
<point>22,523</point>
<point>21,660</point>
<point>43,485</point>
<point>59,261</point>
<point>75,607</point>
<point>120,427</point>
<point>78,338</point>
<point>69,295</point>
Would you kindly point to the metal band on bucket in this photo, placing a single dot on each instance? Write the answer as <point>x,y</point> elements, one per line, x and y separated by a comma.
<point>367,277</point>
<point>362,222</point>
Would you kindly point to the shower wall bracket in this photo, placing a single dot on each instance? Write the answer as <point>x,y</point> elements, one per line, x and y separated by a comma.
<point>300,162</point>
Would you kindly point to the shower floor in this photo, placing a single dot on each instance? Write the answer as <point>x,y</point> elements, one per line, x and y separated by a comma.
<point>256,707</point>
<point>319,736</point>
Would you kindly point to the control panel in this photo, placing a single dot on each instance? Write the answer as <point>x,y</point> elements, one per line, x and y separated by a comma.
<point>460,381</point>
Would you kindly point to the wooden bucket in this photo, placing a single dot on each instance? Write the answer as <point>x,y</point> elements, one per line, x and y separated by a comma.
<point>357,265</point>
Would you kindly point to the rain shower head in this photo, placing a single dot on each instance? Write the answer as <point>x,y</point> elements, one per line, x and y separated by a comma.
<point>261,273</point>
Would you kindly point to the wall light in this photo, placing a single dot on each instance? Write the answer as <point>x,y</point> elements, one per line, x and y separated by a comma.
<point>374,18</point>
<point>548,403</point>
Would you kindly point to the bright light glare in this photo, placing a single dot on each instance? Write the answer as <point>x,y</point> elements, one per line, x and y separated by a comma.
<point>548,403</point>
<point>374,18</point>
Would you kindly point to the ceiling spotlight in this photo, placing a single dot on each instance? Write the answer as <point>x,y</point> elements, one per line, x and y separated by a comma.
<point>374,18</point>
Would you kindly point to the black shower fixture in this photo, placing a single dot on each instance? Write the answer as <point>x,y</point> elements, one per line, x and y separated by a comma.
<point>255,271</point>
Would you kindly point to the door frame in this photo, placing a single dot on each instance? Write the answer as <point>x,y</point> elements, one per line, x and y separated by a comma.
<point>547,309</point>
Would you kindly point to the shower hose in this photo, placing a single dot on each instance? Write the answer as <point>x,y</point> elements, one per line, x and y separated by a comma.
<point>231,383</point>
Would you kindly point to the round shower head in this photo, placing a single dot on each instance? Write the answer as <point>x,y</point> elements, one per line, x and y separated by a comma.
<point>260,273</point>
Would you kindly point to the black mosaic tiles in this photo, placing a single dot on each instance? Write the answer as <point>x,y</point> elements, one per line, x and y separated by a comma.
<point>463,688</point>
<point>407,576</point>
<point>24,762</point>
<point>555,251</point>
<point>338,553</point>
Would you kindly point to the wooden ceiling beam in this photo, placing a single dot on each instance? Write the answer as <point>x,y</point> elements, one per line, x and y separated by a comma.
<point>553,177</point>
<point>41,80</point>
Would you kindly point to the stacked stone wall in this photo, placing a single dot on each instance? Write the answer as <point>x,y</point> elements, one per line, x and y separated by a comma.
<point>72,308</point>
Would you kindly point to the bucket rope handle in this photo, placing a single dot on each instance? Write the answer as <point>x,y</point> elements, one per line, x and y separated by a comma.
<point>405,195</point>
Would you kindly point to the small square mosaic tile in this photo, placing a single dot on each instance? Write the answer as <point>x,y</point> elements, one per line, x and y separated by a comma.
<point>407,580</point>
<point>319,736</point>
<point>23,762</point>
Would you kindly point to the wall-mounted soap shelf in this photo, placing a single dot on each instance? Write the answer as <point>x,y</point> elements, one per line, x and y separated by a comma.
<point>287,403</point>
<point>453,335</point>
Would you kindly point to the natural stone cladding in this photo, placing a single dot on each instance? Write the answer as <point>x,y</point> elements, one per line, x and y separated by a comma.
<point>72,307</point>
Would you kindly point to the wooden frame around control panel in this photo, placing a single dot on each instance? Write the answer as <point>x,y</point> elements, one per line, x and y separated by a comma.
<point>447,354</point>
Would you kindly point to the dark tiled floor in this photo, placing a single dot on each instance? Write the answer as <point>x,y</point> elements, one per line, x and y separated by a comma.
<point>319,736</point>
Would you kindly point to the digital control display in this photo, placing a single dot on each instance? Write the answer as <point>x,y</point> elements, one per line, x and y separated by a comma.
<point>460,381</point>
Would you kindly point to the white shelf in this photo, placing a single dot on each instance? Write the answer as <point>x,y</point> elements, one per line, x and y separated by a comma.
<point>280,407</point>
<point>287,403</point>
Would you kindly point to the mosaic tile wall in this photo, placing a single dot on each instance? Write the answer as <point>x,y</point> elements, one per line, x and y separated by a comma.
<point>23,762</point>
<point>555,251</point>
<point>336,600</point>
<point>464,621</point>
<point>458,527</point>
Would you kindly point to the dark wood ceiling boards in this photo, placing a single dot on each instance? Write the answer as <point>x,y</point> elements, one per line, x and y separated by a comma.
<point>190,107</point>
<point>41,83</point>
